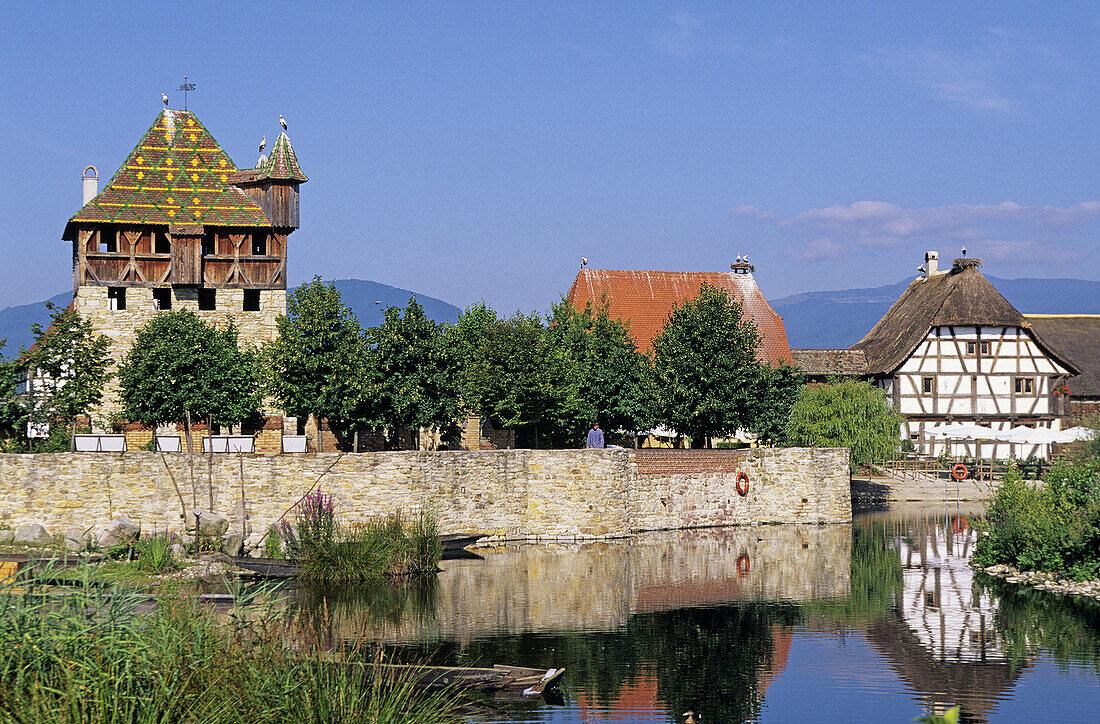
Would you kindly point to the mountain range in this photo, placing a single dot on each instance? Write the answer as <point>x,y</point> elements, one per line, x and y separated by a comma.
<point>367,299</point>
<point>814,320</point>
<point>839,319</point>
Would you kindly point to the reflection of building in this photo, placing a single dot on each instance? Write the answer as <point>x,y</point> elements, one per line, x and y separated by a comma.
<point>940,638</point>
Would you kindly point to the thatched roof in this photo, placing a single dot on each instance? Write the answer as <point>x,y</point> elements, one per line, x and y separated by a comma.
<point>1076,336</point>
<point>827,362</point>
<point>959,297</point>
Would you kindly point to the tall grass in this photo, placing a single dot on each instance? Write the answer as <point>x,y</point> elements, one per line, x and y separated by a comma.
<point>384,547</point>
<point>92,657</point>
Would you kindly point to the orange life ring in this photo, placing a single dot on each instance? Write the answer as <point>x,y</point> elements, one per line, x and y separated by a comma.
<point>742,566</point>
<point>960,525</point>
<point>959,471</point>
<point>743,490</point>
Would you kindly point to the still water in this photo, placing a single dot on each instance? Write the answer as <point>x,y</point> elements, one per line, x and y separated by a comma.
<point>880,621</point>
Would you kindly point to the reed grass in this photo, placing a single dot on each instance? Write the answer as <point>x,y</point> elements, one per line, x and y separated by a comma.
<point>94,656</point>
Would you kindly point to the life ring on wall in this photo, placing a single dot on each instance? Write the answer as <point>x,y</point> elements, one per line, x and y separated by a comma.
<point>959,471</point>
<point>742,566</point>
<point>742,483</point>
<point>960,525</point>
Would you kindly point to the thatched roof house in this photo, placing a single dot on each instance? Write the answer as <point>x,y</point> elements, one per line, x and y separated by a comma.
<point>1077,336</point>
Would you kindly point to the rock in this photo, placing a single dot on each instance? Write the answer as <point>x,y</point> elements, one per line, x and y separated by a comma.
<point>211,525</point>
<point>77,540</point>
<point>119,530</point>
<point>33,534</point>
<point>232,543</point>
<point>7,535</point>
<point>178,551</point>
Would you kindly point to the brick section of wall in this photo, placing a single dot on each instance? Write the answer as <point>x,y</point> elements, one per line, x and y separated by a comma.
<point>656,461</point>
<point>509,494</point>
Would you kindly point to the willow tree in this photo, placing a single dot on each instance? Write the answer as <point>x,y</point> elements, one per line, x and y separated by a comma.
<point>847,414</point>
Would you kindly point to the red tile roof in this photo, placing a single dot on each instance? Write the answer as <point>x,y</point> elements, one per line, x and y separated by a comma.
<point>645,299</point>
<point>177,174</point>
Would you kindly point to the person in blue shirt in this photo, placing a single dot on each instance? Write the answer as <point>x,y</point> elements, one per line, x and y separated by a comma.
<point>595,436</point>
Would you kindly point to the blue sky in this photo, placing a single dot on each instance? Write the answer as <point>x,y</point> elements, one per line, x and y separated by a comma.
<point>479,150</point>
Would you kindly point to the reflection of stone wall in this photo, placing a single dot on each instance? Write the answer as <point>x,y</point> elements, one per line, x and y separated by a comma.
<point>512,494</point>
<point>599,585</point>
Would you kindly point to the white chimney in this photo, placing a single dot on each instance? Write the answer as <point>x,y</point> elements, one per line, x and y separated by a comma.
<point>931,262</point>
<point>91,184</point>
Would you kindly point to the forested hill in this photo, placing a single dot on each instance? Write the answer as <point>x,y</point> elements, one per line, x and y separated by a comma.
<point>359,294</point>
<point>838,319</point>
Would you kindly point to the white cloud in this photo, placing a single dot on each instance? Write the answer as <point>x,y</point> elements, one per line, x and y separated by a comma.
<point>751,211</point>
<point>818,250</point>
<point>881,223</point>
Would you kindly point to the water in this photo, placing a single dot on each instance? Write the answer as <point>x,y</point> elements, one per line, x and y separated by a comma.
<point>878,621</point>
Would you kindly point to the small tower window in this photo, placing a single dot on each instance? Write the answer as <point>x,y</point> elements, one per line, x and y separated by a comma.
<point>116,298</point>
<point>251,300</point>
<point>206,300</point>
<point>927,385</point>
<point>108,241</point>
<point>974,349</point>
<point>161,245</point>
<point>162,299</point>
<point>259,245</point>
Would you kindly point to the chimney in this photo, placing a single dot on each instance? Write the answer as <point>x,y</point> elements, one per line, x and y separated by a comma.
<point>91,184</point>
<point>931,262</point>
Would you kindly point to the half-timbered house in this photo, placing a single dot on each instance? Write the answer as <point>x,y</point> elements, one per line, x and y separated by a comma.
<point>179,226</point>
<point>952,349</point>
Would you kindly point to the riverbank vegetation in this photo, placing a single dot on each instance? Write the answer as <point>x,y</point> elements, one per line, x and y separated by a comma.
<point>328,551</point>
<point>1052,526</point>
<point>92,656</point>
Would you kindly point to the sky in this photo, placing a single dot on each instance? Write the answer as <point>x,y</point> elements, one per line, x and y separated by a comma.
<point>479,150</point>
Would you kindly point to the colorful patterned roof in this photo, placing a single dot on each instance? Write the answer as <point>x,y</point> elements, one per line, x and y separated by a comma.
<point>177,174</point>
<point>645,299</point>
<point>283,164</point>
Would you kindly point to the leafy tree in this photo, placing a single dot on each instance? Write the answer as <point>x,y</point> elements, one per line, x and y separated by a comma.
<point>605,366</point>
<point>706,378</point>
<point>847,414</point>
<point>12,414</point>
<point>317,362</point>
<point>68,366</point>
<point>181,368</point>
<point>414,372</point>
<point>781,388</point>
<point>465,338</point>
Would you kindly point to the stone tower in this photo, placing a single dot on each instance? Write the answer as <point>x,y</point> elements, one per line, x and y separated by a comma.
<point>179,226</point>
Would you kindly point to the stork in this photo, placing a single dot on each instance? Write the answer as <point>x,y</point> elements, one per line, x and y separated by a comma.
<point>164,97</point>
<point>263,143</point>
<point>282,121</point>
<point>584,261</point>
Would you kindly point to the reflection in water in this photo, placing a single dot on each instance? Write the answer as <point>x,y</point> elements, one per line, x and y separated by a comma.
<point>710,620</point>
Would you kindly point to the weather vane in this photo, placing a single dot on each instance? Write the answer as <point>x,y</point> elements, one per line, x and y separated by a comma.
<point>185,86</point>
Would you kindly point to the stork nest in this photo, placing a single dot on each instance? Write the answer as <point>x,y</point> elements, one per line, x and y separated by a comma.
<point>966,262</point>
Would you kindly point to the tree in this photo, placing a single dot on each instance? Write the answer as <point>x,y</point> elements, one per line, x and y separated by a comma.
<point>414,371</point>
<point>847,414</point>
<point>706,378</point>
<point>68,367</point>
<point>181,368</point>
<point>465,339</point>
<point>781,387</point>
<point>605,365</point>
<point>12,414</point>
<point>317,362</point>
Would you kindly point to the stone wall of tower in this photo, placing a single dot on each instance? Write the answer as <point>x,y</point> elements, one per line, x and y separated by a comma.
<point>121,325</point>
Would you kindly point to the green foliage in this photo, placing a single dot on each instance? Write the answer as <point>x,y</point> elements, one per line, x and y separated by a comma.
<point>273,544</point>
<point>317,362</point>
<point>381,548</point>
<point>1053,526</point>
<point>413,372</point>
<point>12,413</point>
<point>847,414</point>
<point>706,378</point>
<point>92,656</point>
<point>154,554</point>
<point>179,364</point>
<point>773,402</point>
<point>951,716</point>
<point>605,368</point>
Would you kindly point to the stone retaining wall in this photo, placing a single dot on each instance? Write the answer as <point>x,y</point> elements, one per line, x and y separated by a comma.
<point>507,494</point>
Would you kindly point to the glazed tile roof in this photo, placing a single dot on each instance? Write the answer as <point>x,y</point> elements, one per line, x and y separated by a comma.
<point>645,299</point>
<point>283,164</point>
<point>176,174</point>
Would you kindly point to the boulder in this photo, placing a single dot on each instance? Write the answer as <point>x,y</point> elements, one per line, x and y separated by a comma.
<point>211,525</point>
<point>231,544</point>
<point>7,535</point>
<point>178,551</point>
<point>77,540</point>
<point>33,534</point>
<point>119,530</point>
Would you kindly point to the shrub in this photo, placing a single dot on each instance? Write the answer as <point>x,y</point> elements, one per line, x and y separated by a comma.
<point>154,555</point>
